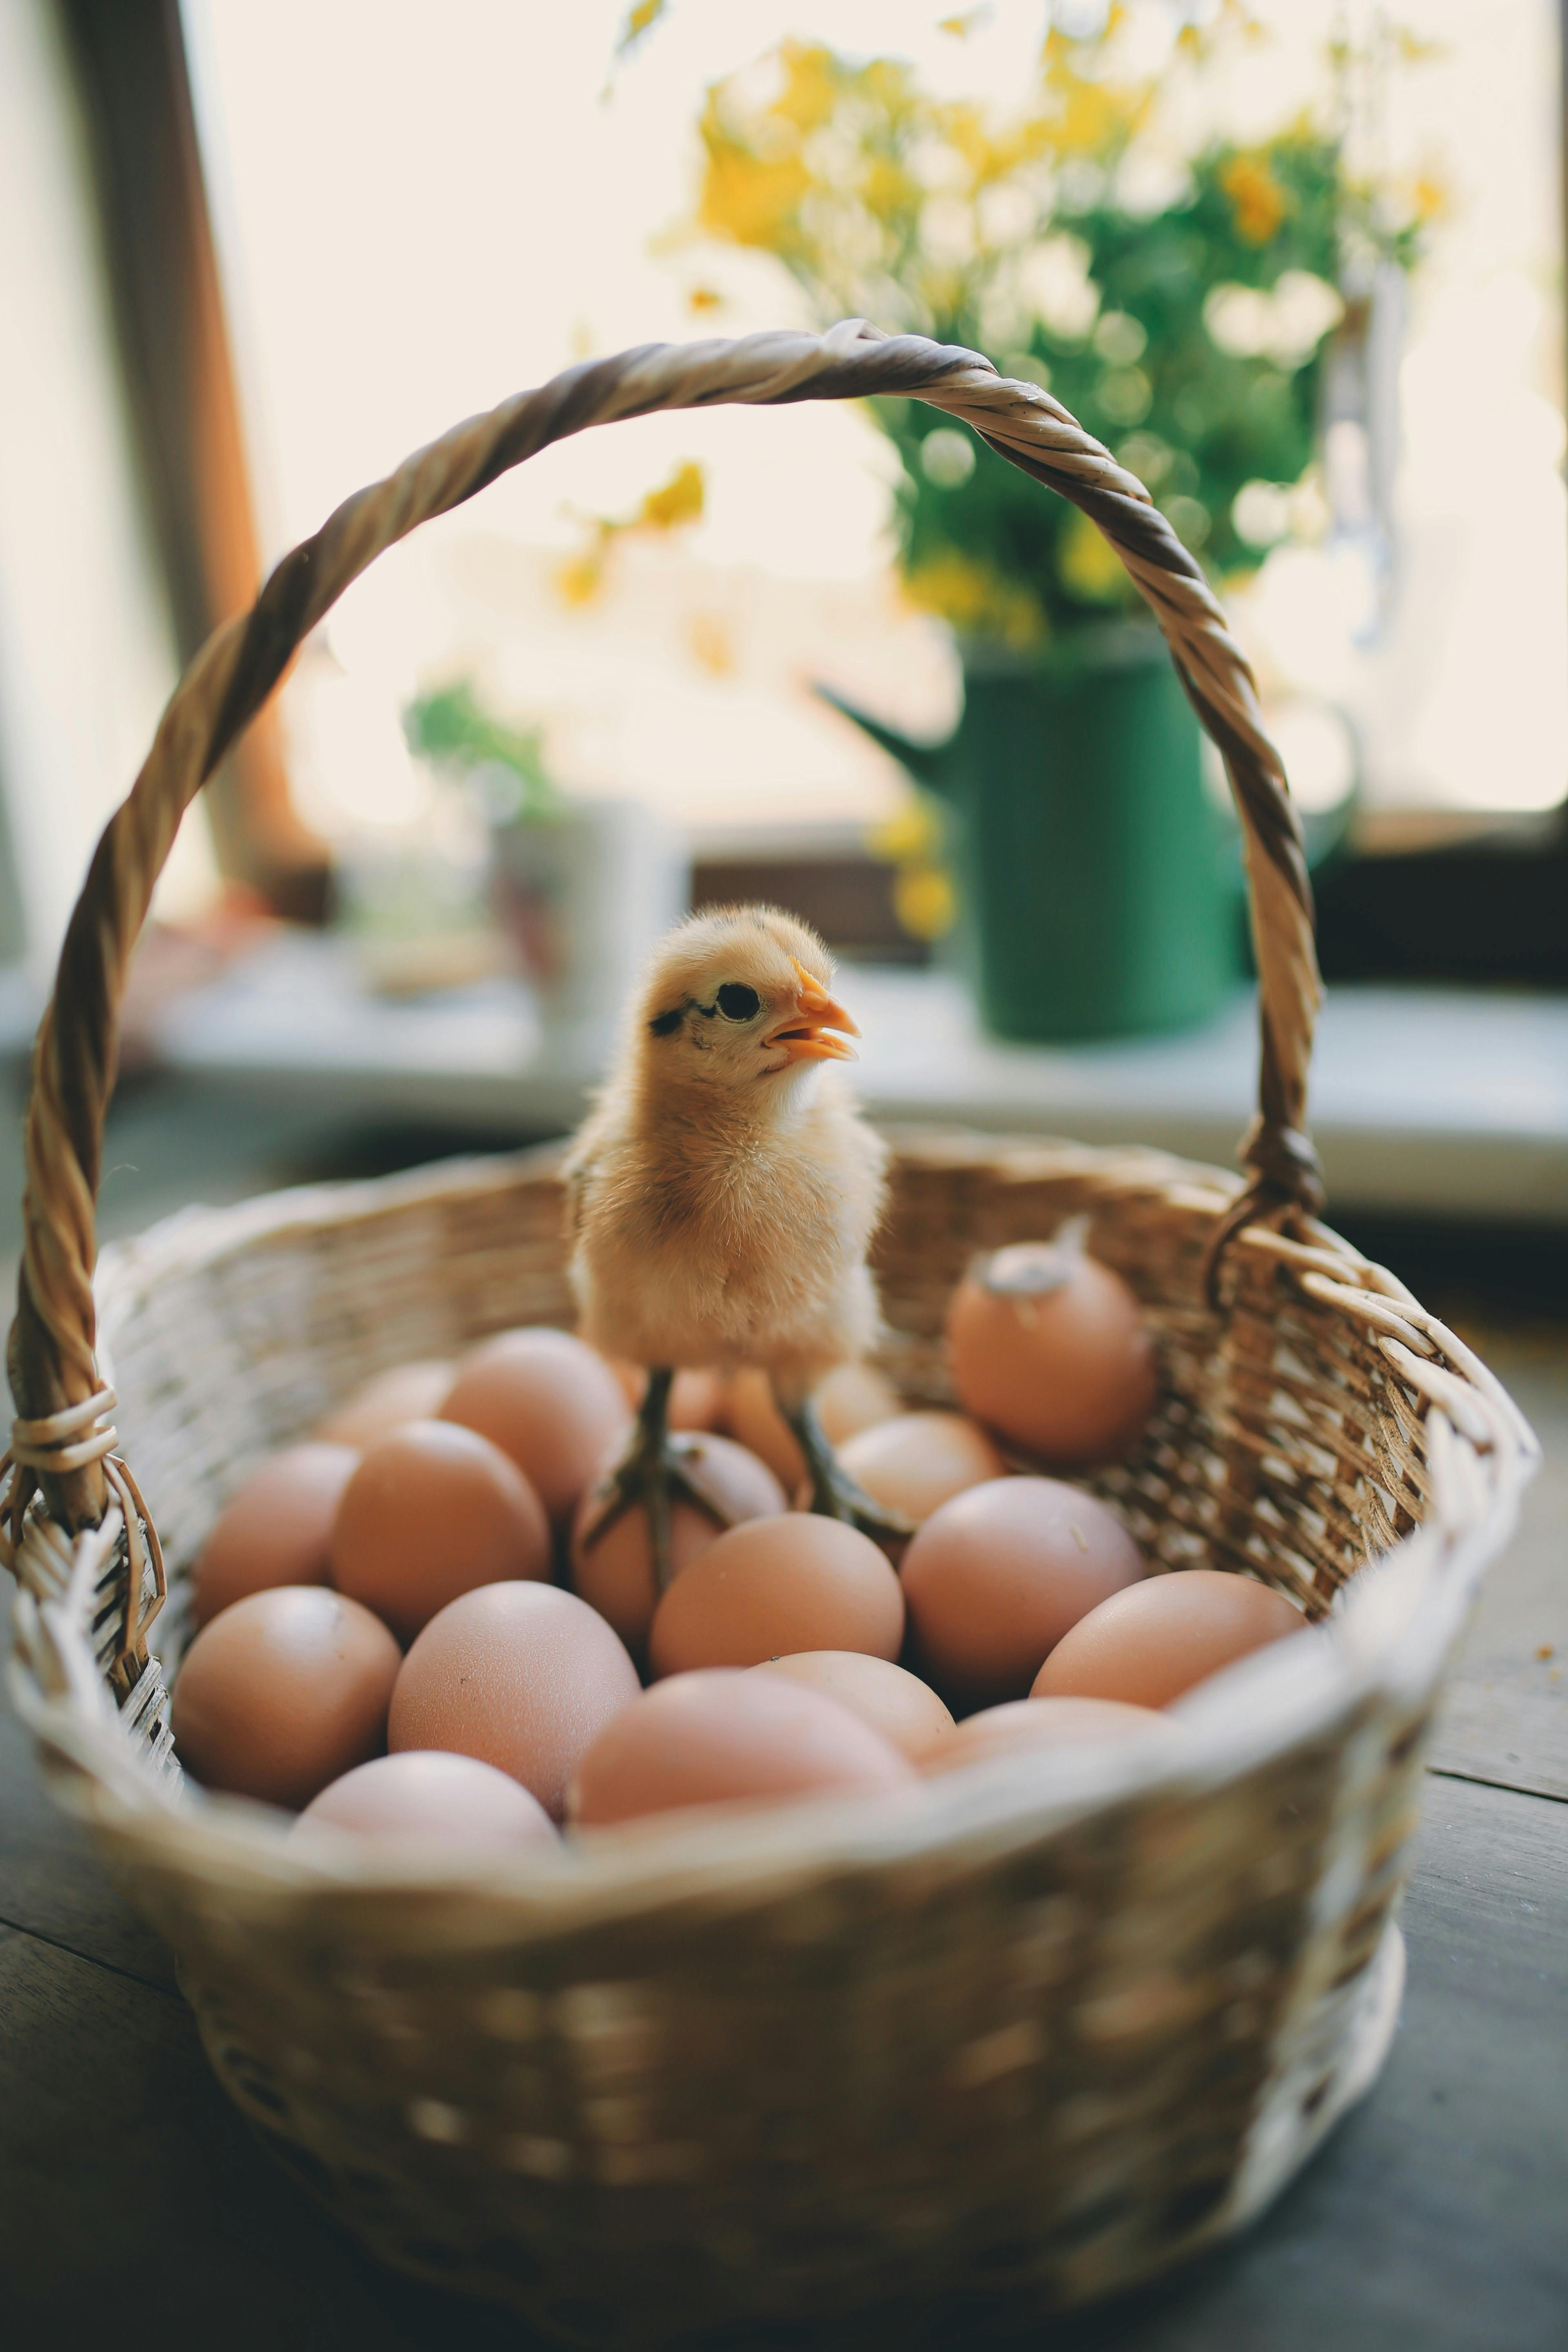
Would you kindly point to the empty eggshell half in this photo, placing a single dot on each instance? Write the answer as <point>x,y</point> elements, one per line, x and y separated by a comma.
<point>1051,1349</point>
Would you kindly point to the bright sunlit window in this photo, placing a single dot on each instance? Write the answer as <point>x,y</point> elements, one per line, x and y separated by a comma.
<point>420,212</point>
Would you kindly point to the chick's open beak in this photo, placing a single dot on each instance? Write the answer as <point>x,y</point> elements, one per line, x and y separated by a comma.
<point>801,1037</point>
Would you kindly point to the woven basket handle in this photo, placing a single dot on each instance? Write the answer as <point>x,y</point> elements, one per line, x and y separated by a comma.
<point>51,1355</point>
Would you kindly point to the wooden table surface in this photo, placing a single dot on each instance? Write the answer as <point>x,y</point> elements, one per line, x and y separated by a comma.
<point>135,2209</point>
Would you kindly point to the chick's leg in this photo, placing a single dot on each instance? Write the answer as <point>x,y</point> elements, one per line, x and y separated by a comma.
<point>833,1494</point>
<point>658,1467</point>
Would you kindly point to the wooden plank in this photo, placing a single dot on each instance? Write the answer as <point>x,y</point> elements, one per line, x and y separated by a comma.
<point>1506,1718</point>
<point>118,2151</point>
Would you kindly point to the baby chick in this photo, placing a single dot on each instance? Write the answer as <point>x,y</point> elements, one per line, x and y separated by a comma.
<point>723,1195</point>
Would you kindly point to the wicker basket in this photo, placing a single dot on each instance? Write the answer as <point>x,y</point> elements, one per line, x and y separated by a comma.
<point>1032,2040</point>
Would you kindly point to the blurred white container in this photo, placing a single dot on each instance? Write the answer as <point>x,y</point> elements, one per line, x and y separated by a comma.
<point>584,897</point>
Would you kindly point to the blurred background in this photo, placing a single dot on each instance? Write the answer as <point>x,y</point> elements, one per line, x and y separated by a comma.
<point>1298,263</point>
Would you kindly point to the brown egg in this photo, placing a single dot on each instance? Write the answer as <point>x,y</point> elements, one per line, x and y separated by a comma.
<point>467,1806</point>
<point>1024,1724</point>
<point>407,1392</point>
<point>696,1397</point>
<point>728,1739</point>
<point>523,1677</point>
<point>898,1704</point>
<point>431,1512</point>
<point>852,1397</point>
<point>283,1693</point>
<point>921,1461</point>
<point>754,1421</point>
<point>548,1400</point>
<point>1050,1347</point>
<point>775,1586</point>
<point>617,1575</point>
<point>995,1578</point>
<point>1149,1644</point>
<point>275,1530</point>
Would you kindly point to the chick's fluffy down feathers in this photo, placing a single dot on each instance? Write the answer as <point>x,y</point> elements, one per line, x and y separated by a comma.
<point>723,1199</point>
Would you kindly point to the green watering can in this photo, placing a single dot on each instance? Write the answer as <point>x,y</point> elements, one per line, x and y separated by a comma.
<point>1098,881</point>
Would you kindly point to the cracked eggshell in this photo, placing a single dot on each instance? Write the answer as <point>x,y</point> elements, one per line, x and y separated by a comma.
<point>1050,1349</point>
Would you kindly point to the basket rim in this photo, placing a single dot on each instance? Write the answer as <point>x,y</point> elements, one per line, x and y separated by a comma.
<point>1387,1637</point>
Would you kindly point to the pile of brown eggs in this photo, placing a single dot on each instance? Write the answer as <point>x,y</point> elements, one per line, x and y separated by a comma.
<point>404,1632</point>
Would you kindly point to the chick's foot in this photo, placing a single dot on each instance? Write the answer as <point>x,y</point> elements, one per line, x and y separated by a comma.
<point>833,1494</point>
<point>660,1468</point>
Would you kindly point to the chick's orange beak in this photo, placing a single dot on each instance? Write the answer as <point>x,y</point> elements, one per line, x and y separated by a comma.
<point>802,1037</point>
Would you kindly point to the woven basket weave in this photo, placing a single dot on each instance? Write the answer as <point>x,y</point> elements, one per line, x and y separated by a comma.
<point>994,2036</point>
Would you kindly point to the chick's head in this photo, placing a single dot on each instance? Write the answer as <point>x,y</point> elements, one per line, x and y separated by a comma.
<point>740,997</point>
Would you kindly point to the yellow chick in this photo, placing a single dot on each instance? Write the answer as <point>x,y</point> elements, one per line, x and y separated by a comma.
<point>722,1196</point>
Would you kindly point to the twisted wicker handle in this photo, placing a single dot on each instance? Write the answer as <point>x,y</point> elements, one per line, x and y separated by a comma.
<point>51,1354</point>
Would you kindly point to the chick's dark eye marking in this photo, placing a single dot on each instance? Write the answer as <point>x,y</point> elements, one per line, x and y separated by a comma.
<point>665,1025</point>
<point>737,1001</point>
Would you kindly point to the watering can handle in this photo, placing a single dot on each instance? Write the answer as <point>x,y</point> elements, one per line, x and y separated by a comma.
<point>52,1359</point>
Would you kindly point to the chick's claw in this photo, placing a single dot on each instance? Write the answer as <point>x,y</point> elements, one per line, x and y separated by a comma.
<point>833,1494</point>
<point>658,1468</point>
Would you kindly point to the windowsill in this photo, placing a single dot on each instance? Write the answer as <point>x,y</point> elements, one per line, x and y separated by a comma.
<point>1425,1099</point>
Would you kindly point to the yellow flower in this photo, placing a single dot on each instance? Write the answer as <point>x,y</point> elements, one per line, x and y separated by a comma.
<point>1089,564</point>
<point>710,643</point>
<point>639,20</point>
<point>579,579</point>
<point>975,601</point>
<point>1258,200</point>
<point>913,837</point>
<point>679,500</point>
<point>811,89</point>
<point>674,504</point>
<point>749,199</point>
<point>923,901</point>
<point>1428,197</point>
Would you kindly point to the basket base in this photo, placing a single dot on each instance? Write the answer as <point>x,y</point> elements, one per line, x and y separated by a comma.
<point>1298,2117</point>
<point>1338,2053</point>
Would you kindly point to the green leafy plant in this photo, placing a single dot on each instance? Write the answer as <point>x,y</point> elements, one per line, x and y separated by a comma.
<point>504,765</point>
<point>1185,329</point>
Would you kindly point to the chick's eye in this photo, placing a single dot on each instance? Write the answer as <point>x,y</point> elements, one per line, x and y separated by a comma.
<point>737,1001</point>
